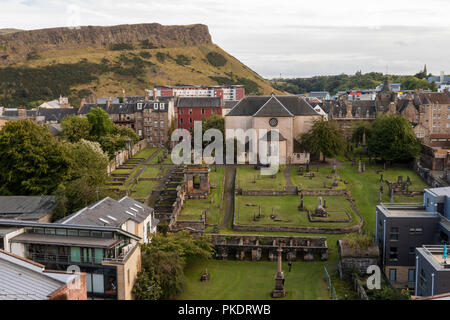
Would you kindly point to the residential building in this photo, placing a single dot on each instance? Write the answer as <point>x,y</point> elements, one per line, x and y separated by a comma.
<point>289,115</point>
<point>192,109</point>
<point>102,240</point>
<point>23,279</point>
<point>54,116</point>
<point>322,95</point>
<point>400,229</point>
<point>233,92</point>
<point>62,102</point>
<point>27,208</point>
<point>433,271</point>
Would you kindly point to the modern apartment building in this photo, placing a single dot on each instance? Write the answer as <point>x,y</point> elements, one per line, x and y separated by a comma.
<point>101,240</point>
<point>400,229</point>
<point>233,92</point>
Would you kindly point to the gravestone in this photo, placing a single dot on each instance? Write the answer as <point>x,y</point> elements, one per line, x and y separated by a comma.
<point>300,171</point>
<point>307,167</point>
<point>335,183</point>
<point>334,170</point>
<point>359,167</point>
<point>320,210</point>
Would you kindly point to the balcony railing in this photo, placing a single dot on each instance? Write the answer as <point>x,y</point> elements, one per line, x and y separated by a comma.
<point>62,259</point>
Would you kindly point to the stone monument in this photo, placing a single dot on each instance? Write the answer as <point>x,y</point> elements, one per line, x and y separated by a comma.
<point>320,210</point>
<point>279,291</point>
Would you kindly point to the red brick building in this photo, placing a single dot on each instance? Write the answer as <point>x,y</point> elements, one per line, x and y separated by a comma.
<point>191,109</point>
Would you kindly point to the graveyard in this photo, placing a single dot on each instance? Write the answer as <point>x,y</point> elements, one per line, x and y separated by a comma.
<point>249,178</point>
<point>284,211</point>
<point>213,204</point>
<point>316,178</point>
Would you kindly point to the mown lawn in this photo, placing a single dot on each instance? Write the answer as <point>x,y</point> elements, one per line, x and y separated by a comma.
<point>194,208</point>
<point>145,153</point>
<point>150,172</point>
<point>250,179</point>
<point>143,189</point>
<point>317,182</point>
<point>285,208</point>
<point>246,280</point>
<point>365,188</point>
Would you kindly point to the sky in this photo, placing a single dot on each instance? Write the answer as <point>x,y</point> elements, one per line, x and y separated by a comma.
<point>295,38</point>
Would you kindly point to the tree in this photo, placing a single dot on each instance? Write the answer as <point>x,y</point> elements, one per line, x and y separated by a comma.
<point>146,287</point>
<point>164,259</point>
<point>75,128</point>
<point>214,122</point>
<point>126,133</point>
<point>32,161</point>
<point>87,176</point>
<point>324,137</point>
<point>101,124</point>
<point>360,130</point>
<point>393,139</point>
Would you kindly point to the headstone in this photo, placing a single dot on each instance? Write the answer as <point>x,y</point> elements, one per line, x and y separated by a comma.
<point>400,179</point>
<point>392,195</point>
<point>359,167</point>
<point>381,180</point>
<point>379,198</point>
<point>300,171</point>
<point>334,170</point>
<point>320,210</point>
<point>335,183</point>
<point>364,167</point>
<point>307,167</point>
<point>259,211</point>
<point>408,180</point>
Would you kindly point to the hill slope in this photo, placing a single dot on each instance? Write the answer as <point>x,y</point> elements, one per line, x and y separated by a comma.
<point>42,64</point>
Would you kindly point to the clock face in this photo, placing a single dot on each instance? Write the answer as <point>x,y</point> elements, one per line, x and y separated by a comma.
<point>273,122</point>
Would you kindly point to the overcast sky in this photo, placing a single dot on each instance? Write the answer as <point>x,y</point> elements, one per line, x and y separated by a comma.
<point>293,38</point>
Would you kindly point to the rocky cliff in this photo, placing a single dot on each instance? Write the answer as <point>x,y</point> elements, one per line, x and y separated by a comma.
<point>20,46</point>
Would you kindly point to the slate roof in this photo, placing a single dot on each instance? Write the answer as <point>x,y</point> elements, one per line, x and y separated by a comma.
<point>230,104</point>
<point>86,108</point>
<point>121,108</point>
<point>199,102</point>
<point>109,212</point>
<point>65,240</point>
<point>22,279</point>
<point>252,104</point>
<point>273,108</point>
<point>26,207</point>
<point>56,114</point>
<point>434,97</point>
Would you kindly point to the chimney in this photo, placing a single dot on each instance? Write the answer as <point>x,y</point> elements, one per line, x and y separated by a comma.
<point>155,94</point>
<point>83,102</point>
<point>108,103</point>
<point>442,78</point>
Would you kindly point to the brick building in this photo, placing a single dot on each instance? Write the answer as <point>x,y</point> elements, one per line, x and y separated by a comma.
<point>191,109</point>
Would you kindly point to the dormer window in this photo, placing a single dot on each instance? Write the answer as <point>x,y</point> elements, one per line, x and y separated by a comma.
<point>155,106</point>
<point>162,106</point>
<point>139,106</point>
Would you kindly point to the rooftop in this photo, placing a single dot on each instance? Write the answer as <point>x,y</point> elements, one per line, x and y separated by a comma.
<point>435,255</point>
<point>439,192</point>
<point>406,211</point>
<point>26,207</point>
<point>21,279</point>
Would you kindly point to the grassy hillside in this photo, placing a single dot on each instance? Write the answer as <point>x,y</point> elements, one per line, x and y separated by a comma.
<point>8,30</point>
<point>106,72</point>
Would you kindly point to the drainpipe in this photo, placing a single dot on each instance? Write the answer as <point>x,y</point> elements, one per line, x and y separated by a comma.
<point>384,243</point>
<point>416,286</point>
<point>432,284</point>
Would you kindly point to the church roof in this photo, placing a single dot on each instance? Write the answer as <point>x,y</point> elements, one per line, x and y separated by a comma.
<point>273,108</point>
<point>296,106</point>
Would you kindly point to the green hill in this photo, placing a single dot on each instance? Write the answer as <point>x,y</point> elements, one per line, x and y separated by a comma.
<point>104,61</point>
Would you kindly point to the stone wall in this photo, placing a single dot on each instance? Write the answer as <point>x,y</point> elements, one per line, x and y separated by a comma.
<point>123,155</point>
<point>426,175</point>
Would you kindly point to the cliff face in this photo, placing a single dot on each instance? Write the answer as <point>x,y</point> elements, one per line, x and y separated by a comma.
<point>18,46</point>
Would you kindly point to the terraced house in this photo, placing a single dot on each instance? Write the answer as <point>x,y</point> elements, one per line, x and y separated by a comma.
<point>100,240</point>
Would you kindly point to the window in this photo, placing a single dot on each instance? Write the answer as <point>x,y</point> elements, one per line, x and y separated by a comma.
<point>61,232</point>
<point>411,275</point>
<point>139,106</point>
<point>162,106</point>
<point>190,120</point>
<point>190,111</point>
<point>203,111</point>
<point>155,106</point>
<point>85,233</point>
<point>72,233</point>
<point>412,250</point>
<point>181,121</point>
<point>50,231</point>
<point>394,234</point>
<point>140,133</point>
<point>181,110</point>
<point>423,279</point>
<point>393,254</point>
<point>415,231</point>
<point>393,275</point>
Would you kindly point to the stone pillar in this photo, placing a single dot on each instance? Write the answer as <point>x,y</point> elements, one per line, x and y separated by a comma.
<point>279,291</point>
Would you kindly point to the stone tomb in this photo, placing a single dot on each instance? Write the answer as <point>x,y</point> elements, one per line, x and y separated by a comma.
<point>197,182</point>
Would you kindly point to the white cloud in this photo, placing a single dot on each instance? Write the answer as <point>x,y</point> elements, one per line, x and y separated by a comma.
<point>295,38</point>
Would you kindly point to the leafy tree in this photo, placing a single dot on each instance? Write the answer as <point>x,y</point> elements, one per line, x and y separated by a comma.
<point>112,143</point>
<point>359,130</point>
<point>324,137</point>
<point>75,128</point>
<point>214,122</point>
<point>126,132</point>
<point>32,161</point>
<point>393,139</point>
<point>164,259</point>
<point>101,124</point>
<point>146,287</point>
